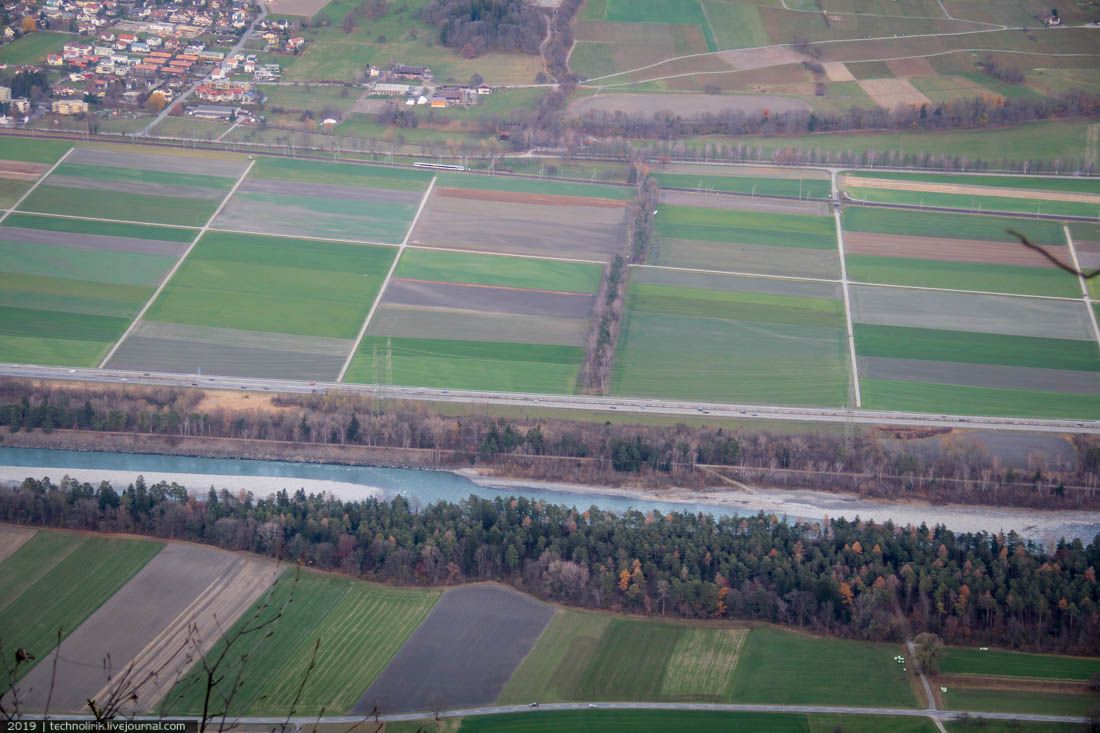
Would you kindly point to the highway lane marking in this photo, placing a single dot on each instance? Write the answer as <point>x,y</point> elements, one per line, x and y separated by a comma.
<point>574,402</point>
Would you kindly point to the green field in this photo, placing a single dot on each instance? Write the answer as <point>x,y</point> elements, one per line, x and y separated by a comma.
<point>881,394</point>
<point>65,305</point>
<point>663,721</point>
<point>746,227</point>
<point>150,208</point>
<point>138,175</point>
<point>512,272</point>
<point>497,366</point>
<point>399,34</point>
<point>787,667</point>
<point>552,670</point>
<point>313,98</point>
<point>57,580</point>
<point>999,662</point>
<point>587,656</point>
<point>1053,140</point>
<point>811,188</point>
<point>975,348</point>
<point>32,151</point>
<point>360,210</point>
<point>735,24</point>
<point>33,559</point>
<point>341,174</point>
<point>1010,701</point>
<point>985,725</point>
<point>962,275</point>
<point>32,48</point>
<point>629,662</point>
<point>958,226</point>
<point>969,202</point>
<point>687,12</point>
<point>1080,185</point>
<point>360,626</point>
<point>724,345</point>
<point>190,128</point>
<point>529,185</point>
<point>101,228</point>
<point>275,284</point>
<point>106,267</point>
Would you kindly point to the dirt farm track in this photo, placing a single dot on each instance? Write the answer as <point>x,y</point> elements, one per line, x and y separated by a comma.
<point>964,190</point>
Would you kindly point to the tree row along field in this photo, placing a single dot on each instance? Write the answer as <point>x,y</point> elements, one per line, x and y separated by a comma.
<point>739,299</point>
<point>327,644</point>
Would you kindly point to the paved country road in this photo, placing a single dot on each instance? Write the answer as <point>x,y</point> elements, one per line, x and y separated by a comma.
<point>565,402</point>
<point>683,706</point>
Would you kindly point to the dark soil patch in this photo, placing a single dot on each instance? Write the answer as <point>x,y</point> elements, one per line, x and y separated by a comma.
<point>463,653</point>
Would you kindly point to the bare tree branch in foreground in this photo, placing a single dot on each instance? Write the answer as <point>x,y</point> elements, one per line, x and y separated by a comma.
<point>1088,275</point>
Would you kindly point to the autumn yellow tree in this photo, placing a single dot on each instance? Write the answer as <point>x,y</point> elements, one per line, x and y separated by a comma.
<point>28,25</point>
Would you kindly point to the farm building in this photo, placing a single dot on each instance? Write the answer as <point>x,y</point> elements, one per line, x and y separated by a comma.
<point>394,90</point>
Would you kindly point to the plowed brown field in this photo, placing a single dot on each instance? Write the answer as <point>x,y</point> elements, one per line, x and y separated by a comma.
<point>516,197</point>
<point>952,250</point>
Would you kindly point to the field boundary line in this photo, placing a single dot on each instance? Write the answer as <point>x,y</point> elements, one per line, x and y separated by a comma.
<point>847,300</point>
<point>105,221</point>
<point>710,26</point>
<point>168,276</point>
<point>504,254</point>
<point>35,185</point>
<point>302,236</point>
<point>1092,137</point>
<point>1084,284</point>
<point>797,278</point>
<point>385,283</point>
<point>968,292</point>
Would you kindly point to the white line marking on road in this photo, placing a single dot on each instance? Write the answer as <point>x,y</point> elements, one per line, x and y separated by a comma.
<point>847,299</point>
<point>1084,284</point>
<point>796,278</point>
<point>385,283</point>
<point>108,221</point>
<point>966,292</point>
<point>303,236</point>
<point>505,254</point>
<point>175,267</point>
<point>35,185</point>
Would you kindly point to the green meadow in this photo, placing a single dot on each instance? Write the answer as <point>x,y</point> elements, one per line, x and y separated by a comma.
<point>275,284</point>
<point>513,272</point>
<point>747,227</point>
<point>975,348</point>
<point>82,575</point>
<point>361,627</point>
<point>477,365</point>
<point>962,275</point>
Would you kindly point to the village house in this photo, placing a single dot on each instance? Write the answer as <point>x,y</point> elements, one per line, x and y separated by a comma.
<point>69,106</point>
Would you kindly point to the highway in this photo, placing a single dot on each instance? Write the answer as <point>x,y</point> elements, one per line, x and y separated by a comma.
<point>938,715</point>
<point>563,402</point>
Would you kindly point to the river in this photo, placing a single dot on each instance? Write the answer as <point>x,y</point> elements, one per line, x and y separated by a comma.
<point>422,487</point>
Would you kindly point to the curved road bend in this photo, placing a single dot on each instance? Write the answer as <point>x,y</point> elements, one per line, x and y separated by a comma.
<point>566,402</point>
